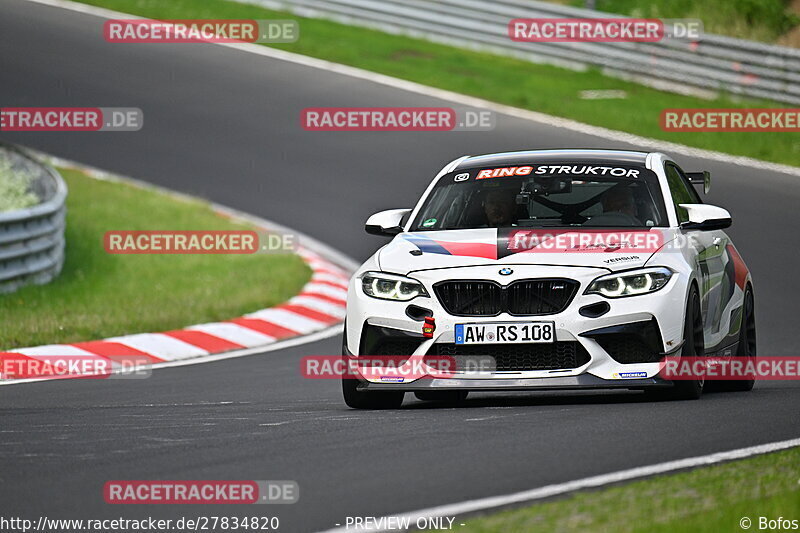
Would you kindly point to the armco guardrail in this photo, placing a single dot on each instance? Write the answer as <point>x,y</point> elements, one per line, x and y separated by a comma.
<point>32,239</point>
<point>713,63</point>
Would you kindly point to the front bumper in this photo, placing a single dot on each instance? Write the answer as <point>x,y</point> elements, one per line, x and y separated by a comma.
<point>663,309</point>
<point>585,381</point>
<point>507,381</point>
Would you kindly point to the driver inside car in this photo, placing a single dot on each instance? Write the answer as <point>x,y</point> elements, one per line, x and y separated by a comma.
<point>500,207</point>
<point>619,200</point>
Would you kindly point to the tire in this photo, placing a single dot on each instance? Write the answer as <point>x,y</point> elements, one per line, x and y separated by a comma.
<point>693,346</point>
<point>367,399</point>
<point>747,344</point>
<point>447,396</point>
<point>370,399</point>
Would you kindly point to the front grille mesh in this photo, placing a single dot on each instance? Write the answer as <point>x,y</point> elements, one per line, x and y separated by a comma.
<point>377,340</point>
<point>476,298</point>
<point>540,296</point>
<point>520,298</point>
<point>519,357</point>
<point>626,348</point>
<point>395,347</point>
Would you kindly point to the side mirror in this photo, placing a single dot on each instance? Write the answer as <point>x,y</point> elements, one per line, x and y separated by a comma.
<point>706,217</point>
<point>386,223</point>
<point>703,177</point>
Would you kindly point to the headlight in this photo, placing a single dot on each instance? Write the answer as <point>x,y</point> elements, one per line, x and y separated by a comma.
<point>630,283</point>
<point>391,286</point>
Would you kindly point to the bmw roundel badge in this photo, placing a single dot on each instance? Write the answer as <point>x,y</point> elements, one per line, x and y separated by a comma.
<point>506,271</point>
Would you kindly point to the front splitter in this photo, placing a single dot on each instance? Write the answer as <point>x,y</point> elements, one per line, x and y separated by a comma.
<point>584,381</point>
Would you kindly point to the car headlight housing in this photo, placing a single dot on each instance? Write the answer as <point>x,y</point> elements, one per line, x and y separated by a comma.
<point>391,286</point>
<point>622,284</point>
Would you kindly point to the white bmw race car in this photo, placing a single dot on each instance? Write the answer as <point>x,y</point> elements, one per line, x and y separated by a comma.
<point>557,269</point>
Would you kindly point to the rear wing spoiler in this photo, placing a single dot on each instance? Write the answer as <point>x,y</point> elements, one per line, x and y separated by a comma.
<point>703,178</point>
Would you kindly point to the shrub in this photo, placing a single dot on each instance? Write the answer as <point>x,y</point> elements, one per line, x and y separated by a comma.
<point>15,187</point>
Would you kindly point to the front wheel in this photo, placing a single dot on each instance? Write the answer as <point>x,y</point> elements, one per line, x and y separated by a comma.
<point>362,399</point>
<point>693,346</point>
<point>370,399</point>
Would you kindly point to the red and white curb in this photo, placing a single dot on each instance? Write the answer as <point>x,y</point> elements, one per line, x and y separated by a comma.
<point>319,306</point>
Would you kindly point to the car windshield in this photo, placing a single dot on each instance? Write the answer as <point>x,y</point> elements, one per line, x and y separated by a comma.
<point>549,196</point>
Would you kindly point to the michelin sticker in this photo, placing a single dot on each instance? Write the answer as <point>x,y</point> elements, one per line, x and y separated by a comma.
<point>630,375</point>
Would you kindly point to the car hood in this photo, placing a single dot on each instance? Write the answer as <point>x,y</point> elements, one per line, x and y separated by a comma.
<point>425,250</point>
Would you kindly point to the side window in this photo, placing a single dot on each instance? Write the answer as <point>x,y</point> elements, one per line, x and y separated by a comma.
<point>434,205</point>
<point>688,183</point>
<point>682,190</point>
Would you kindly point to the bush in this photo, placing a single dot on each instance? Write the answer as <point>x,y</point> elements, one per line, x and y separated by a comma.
<point>15,187</point>
<point>760,20</point>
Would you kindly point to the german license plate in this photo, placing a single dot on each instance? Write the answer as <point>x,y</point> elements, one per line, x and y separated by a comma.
<point>506,333</point>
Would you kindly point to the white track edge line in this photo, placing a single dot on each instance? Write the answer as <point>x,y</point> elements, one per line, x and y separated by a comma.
<point>548,491</point>
<point>332,331</point>
<point>442,94</point>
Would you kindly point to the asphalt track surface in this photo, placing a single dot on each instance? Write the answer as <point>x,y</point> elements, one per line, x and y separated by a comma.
<point>224,125</point>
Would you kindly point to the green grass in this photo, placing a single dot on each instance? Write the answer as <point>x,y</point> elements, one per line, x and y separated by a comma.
<point>706,500</point>
<point>502,79</point>
<point>100,295</point>
<point>760,20</point>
